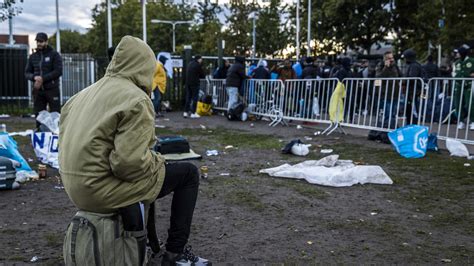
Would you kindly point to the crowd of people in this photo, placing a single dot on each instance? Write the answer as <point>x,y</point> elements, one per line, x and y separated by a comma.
<point>389,99</point>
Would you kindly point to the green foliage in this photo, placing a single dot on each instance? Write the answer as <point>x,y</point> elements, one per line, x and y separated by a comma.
<point>71,42</point>
<point>238,34</point>
<point>270,31</point>
<point>358,23</point>
<point>8,8</point>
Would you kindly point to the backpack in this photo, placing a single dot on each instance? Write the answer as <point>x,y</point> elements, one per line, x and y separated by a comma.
<point>235,111</point>
<point>110,239</point>
<point>172,144</point>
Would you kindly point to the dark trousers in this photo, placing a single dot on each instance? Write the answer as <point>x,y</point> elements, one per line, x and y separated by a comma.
<point>42,98</point>
<point>182,179</point>
<point>192,95</point>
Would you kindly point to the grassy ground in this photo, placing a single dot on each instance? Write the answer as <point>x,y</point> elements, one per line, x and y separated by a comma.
<point>244,217</point>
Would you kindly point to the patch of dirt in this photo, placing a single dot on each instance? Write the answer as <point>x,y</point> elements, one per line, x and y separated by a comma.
<point>249,218</point>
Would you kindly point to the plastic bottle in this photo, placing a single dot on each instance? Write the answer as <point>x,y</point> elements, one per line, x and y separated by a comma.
<point>3,128</point>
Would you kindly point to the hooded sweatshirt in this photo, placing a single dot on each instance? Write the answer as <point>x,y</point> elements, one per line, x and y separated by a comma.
<point>107,132</point>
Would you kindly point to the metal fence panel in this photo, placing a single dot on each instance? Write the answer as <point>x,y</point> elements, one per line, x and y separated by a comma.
<point>79,72</point>
<point>14,89</point>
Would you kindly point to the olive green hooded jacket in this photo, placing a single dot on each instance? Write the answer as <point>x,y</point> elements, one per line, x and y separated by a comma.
<point>106,133</point>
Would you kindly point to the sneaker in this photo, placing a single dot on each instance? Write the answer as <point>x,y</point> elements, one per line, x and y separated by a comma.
<point>461,125</point>
<point>185,115</point>
<point>183,259</point>
<point>195,115</point>
<point>471,126</point>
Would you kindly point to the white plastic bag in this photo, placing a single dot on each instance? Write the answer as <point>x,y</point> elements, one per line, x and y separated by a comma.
<point>300,149</point>
<point>315,106</point>
<point>456,148</point>
<point>50,120</point>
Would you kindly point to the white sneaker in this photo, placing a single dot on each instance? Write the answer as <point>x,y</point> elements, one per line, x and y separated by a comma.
<point>471,126</point>
<point>461,125</point>
<point>195,115</point>
<point>185,114</point>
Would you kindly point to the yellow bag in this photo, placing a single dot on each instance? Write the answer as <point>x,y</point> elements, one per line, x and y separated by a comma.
<point>336,104</point>
<point>203,109</point>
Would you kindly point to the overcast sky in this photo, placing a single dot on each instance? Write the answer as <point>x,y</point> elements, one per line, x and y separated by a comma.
<point>40,15</point>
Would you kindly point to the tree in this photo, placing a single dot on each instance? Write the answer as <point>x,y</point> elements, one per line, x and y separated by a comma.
<point>238,34</point>
<point>359,23</point>
<point>270,30</point>
<point>127,20</point>
<point>71,42</point>
<point>207,32</point>
<point>8,9</point>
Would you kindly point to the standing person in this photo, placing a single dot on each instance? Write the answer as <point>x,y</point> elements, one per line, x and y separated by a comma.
<point>159,84</point>
<point>221,72</point>
<point>413,69</point>
<point>285,71</point>
<point>44,68</point>
<point>464,95</point>
<point>310,71</point>
<point>261,71</point>
<point>389,98</point>
<point>194,73</point>
<point>234,81</point>
<point>431,68</point>
<point>107,164</point>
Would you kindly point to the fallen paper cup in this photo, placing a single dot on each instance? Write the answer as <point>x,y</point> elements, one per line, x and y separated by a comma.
<point>326,151</point>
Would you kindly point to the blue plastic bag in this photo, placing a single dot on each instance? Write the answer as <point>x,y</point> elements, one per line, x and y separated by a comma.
<point>9,149</point>
<point>298,70</point>
<point>410,141</point>
<point>433,142</point>
<point>273,75</point>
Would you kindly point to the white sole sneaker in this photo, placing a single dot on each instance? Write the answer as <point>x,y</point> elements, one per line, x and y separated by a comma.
<point>185,115</point>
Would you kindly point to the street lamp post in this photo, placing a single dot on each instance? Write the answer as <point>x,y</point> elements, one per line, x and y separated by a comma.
<point>173,23</point>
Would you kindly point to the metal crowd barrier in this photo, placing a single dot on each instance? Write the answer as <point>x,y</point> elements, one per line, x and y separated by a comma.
<point>216,88</point>
<point>265,97</point>
<point>308,99</point>
<point>449,108</point>
<point>79,72</point>
<point>372,103</point>
<point>383,103</point>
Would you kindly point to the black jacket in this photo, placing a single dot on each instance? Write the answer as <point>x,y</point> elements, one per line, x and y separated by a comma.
<point>431,70</point>
<point>221,72</point>
<point>310,72</point>
<point>46,63</point>
<point>193,74</point>
<point>261,73</point>
<point>235,75</point>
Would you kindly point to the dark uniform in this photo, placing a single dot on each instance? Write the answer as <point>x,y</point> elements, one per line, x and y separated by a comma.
<point>46,63</point>
<point>464,95</point>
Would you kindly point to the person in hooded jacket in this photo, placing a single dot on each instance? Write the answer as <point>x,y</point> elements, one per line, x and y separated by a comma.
<point>261,71</point>
<point>413,89</point>
<point>107,132</point>
<point>159,84</point>
<point>221,72</point>
<point>235,80</point>
<point>44,68</point>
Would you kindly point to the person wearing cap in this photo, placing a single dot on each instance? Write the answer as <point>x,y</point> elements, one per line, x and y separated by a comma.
<point>44,68</point>
<point>159,84</point>
<point>194,73</point>
<point>463,91</point>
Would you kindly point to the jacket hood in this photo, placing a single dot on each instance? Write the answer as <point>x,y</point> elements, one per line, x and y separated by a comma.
<point>134,60</point>
<point>409,55</point>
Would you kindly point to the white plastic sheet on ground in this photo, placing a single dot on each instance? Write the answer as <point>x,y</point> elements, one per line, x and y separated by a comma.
<point>330,171</point>
<point>50,120</point>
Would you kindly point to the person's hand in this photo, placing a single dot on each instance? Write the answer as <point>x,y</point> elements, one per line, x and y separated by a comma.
<point>388,63</point>
<point>38,82</point>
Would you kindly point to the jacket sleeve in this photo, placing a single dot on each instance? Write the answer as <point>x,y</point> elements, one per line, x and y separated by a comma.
<point>29,75</point>
<point>57,69</point>
<point>132,158</point>
<point>202,74</point>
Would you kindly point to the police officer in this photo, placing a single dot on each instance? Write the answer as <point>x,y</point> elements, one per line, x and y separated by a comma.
<point>464,68</point>
<point>44,69</point>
